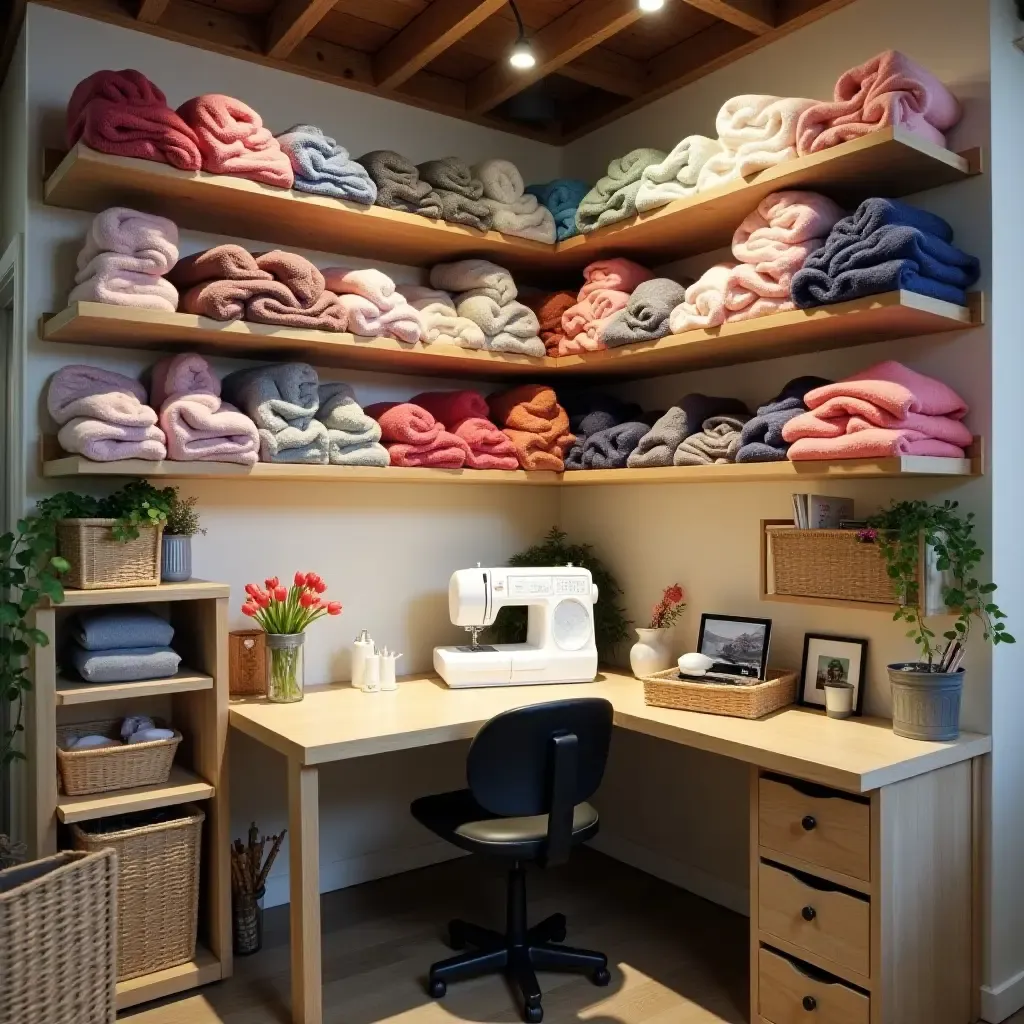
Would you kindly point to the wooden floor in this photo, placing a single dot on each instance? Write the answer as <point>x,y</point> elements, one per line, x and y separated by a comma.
<point>675,958</point>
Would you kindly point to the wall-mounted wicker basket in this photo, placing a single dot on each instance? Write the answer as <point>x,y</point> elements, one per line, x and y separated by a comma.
<point>99,562</point>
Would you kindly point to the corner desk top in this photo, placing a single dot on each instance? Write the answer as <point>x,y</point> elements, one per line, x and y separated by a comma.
<point>337,722</point>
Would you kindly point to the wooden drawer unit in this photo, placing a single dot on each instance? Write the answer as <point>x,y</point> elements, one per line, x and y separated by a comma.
<point>817,825</point>
<point>817,916</point>
<point>792,993</point>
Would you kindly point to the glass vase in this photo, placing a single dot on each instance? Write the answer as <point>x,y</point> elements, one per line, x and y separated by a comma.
<point>285,667</point>
<point>247,922</point>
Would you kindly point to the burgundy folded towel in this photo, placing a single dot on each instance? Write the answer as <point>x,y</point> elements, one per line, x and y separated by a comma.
<point>452,407</point>
<point>414,438</point>
<point>465,413</point>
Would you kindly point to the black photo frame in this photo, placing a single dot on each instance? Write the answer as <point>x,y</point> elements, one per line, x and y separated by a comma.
<point>747,670</point>
<point>816,646</point>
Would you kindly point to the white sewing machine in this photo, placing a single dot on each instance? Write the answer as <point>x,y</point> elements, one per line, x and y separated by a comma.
<point>559,644</point>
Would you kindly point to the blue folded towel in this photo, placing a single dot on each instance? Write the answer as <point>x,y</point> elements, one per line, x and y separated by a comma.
<point>875,213</point>
<point>562,197</point>
<point>122,627</point>
<point>761,438</point>
<point>592,413</point>
<point>611,448</point>
<point>323,167</point>
<point>124,666</point>
<point>817,288</point>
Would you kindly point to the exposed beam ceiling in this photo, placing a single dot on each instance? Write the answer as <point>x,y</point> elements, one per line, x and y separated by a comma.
<point>291,21</point>
<point>605,69</point>
<point>754,16</point>
<point>150,11</point>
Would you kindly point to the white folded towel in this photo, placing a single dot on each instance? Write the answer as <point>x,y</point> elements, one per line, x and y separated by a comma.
<point>677,175</point>
<point>704,305</point>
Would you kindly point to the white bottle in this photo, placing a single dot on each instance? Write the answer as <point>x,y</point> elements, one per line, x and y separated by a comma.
<point>371,674</point>
<point>388,680</point>
<point>362,646</point>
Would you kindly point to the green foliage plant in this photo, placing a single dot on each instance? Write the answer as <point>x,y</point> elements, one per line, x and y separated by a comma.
<point>183,519</point>
<point>136,504</point>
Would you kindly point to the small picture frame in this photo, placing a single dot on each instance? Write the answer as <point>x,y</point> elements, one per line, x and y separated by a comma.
<point>832,658</point>
<point>738,646</point>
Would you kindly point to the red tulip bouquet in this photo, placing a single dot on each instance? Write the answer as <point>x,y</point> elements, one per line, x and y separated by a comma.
<point>284,613</point>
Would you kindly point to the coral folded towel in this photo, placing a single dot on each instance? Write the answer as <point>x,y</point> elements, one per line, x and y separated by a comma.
<point>536,424</point>
<point>465,413</point>
<point>704,304</point>
<point>414,438</point>
<point>323,167</point>
<point>125,114</point>
<point>232,140</point>
<point>550,307</point>
<point>613,198</point>
<point>889,89</point>
<point>583,323</point>
<point>440,319</point>
<point>353,436</point>
<point>677,175</point>
<point>398,184</point>
<point>562,197</point>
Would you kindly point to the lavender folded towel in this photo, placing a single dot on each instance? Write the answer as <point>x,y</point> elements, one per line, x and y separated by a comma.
<point>324,167</point>
<point>124,666</point>
<point>611,448</point>
<point>110,442</point>
<point>102,629</point>
<point>353,437</point>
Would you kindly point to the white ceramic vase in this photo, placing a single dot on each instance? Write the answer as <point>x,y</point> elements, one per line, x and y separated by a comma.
<point>651,653</point>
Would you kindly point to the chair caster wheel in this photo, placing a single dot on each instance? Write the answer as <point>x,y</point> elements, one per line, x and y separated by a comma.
<point>533,1014</point>
<point>601,977</point>
<point>457,936</point>
<point>437,988</point>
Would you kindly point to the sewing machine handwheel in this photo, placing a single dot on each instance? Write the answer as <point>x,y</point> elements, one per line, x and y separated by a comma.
<point>601,977</point>
<point>437,988</point>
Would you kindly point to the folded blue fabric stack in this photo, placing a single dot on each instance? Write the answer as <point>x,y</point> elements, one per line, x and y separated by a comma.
<point>562,197</point>
<point>886,246</point>
<point>591,416</point>
<point>122,645</point>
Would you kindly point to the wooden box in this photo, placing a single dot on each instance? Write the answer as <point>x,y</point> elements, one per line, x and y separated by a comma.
<point>247,652</point>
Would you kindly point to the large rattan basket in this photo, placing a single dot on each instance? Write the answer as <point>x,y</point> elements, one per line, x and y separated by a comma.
<point>667,690</point>
<point>158,884</point>
<point>104,769</point>
<point>58,932</point>
<point>99,562</point>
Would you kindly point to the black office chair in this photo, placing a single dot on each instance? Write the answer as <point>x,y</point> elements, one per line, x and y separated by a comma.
<point>530,772</point>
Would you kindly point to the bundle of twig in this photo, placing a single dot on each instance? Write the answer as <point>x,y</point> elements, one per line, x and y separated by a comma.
<point>249,868</point>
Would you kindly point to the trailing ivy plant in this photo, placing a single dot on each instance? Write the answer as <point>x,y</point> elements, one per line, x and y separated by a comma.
<point>898,531</point>
<point>136,504</point>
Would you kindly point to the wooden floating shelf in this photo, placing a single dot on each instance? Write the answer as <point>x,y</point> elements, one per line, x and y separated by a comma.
<point>201,970</point>
<point>180,788</point>
<point>189,591</point>
<point>862,321</point>
<point>890,162</point>
<point>71,691</point>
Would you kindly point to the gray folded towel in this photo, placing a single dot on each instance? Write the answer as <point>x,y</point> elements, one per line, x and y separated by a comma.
<point>611,448</point>
<point>613,198</point>
<point>104,628</point>
<point>658,446</point>
<point>718,441</point>
<point>509,327</point>
<point>466,278</point>
<point>453,175</point>
<point>398,184</point>
<point>646,316</point>
<point>125,666</point>
<point>353,437</point>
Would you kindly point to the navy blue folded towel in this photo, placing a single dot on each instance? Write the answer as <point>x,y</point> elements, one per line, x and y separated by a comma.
<point>611,448</point>
<point>593,413</point>
<point>761,438</point>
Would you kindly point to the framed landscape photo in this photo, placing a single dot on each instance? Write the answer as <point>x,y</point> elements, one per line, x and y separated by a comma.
<point>737,646</point>
<point>832,659</point>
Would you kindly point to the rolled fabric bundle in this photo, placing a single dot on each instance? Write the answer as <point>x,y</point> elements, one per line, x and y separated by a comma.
<point>889,89</point>
<point>677,175</point>
<point>78,391</point>
<point>458,190</point>
<point>512,327</point>
<point>149,244</point>
<point>353,437</point>
<point>717,442</point>
<point>611,448</point>
<point>875,213</point>
<point>185,374</point>
<point>465,413</point>
<point>103,441</point>
<point>323,167</point>
<point>307,303</point>
<point>761,439</point>
<point>232,140</point>
<point>500,180</point>
<point>646,316</point>
<point>414,438</point>
<point>562,197</point>
<point>398,184</point>
<point>657,448</point>
<point>535,423</point>
<point>441,321</point>
<point>756,132</point>
<point>838,416</point>
<point>613,198</point>
<point>106,283</point>
<point>228,262</point>
<point>896,389</point>
<point>125,114</point>
<point>282,400</point>
<point>474,277</point>
<point>550,307</point>
<point>704,304</point>
<point>616,273</point>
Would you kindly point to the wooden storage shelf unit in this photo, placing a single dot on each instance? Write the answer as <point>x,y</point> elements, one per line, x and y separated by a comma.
<point>202,970</point>
<point>182,787</point>
<point>73,691</point>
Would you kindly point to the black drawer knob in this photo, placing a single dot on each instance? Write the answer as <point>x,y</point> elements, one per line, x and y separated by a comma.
<point>809,823</point>
<point>810,1003</point>
<point>808,913</point>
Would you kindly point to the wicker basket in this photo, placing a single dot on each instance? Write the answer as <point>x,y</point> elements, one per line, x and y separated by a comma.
<point>158,884</point>
<point>108,768</point>
<point>830,564</point>
<point>667,690</point>
<point>58,926</point>
<point>99,562</point>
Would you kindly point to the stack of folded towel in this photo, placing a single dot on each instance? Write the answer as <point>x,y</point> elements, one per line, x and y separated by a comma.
<point>562,197</point>
<point>278,288</point>
<point>761,439</point>
<point>535,423</point>
<point>756,132</point>
<point>646,315</point>
<point>440,319</point>
<point>122,645</point>
<point>323,167</point>
<point>200,427</point>
<point>413,437</point>
<point>658,447</point>
<point>606,428</point>
<point>703,306</point>
<point>353,437</point>
<point>513,212</point>
<point>125,256</point>
<point>607,286</point>
<point>465,414</point>
<point>124,113</point>
<point>883,411</point>
<point>459,192</point>
<point>613,198</point>
<point>888,90</point>
<point>486,294</point>
<point>282,400</point>
<point>233,140</point>
<point>550,307</point>
<point>677,176</point>
<point>103,416</point>
<point>398,184</point>
<point>717,441</point>
<point>884,246</point>
<point>374,306</point>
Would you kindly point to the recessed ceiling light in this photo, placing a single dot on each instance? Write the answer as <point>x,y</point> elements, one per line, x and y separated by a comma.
<point>651,5</point>
<point>521,55</point>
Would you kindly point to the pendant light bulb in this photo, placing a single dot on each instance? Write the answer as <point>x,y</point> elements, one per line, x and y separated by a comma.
<point>521,55</point>
<point>651,5</point>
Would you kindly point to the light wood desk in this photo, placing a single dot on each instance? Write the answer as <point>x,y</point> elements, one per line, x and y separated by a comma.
<point>871,836</point>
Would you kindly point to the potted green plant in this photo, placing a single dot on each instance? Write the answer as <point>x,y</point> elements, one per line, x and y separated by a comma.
<point>182,525</point>
<point>926,694</point>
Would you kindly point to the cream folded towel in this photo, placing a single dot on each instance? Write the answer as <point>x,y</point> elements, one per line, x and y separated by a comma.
<point>704,305</point>
<point>441,321</point>
<point>474,277</point>
<point>677,175</point>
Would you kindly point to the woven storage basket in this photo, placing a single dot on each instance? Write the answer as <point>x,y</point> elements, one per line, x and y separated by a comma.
<point>157,887</point>
<point>58,930</point>
<point>109,768</point>
<point>667,690</point>
<point>99,562</point>
<point>830,564</point>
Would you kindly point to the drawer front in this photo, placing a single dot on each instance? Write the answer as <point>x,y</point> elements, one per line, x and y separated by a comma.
<point>815,916</point>
<point>830,831</point>
<point>792,994</point>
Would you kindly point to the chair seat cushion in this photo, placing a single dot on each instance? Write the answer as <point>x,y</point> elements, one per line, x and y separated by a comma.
<point>459,819</point>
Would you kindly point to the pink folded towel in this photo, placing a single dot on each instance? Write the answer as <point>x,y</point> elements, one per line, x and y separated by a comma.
<point>895,388</point>
<point>871,444</point>
<point>111,442</point>
<point>414,438</point>
<point>847,415</point>
<point>465,414</point>
<point>185,374</point>
<point>201,428</point>
<point>617,274</point>
<point>232,140</point>
<point>78,391</point>
<point>107,283</point>
<point>450,408</point>
<point>148,243</point>
<point>367,320</point>
<point>582,323</point>
<point>889,89</point>
<point>372,284</point>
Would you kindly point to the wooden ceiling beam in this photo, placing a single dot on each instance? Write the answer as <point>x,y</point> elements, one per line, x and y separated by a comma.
<point>429,34</point>
<point>291,21</point>
<point>610,71</point>
<point>754,16</point>
<point>580,29</point>
<point>150,11</point>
